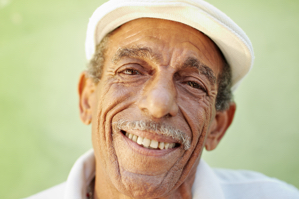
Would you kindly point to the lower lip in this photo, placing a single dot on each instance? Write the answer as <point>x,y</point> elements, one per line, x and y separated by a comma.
<point>144,151</point>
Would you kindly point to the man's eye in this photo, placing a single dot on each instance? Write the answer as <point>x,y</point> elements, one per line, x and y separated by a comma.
<point>131,72</point>
<point>194,85</point>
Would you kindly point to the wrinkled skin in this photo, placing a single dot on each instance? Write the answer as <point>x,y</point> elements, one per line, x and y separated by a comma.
<point>156,86</point>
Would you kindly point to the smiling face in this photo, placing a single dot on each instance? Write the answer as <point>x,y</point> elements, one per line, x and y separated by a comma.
<point>153,110</point>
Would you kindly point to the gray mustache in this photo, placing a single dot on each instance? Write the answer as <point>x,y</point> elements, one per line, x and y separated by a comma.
<point>158,128</point>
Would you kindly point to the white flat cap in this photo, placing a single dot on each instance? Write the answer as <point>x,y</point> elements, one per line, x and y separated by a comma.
<point>228,36</point>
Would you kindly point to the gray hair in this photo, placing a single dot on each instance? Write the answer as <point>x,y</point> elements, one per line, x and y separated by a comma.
<point>224,95</point>
<point>153,127</point>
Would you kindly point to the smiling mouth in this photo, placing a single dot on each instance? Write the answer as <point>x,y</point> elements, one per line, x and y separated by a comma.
<point>150,144</point>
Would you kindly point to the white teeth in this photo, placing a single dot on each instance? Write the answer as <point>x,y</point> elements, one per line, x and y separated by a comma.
<point>154,144</point>
<point>161,145</point>
<point>147,143</point>
<point>135,138</point>
<point>130,136</point>
<point>166,145</point>
<point>139,140</point>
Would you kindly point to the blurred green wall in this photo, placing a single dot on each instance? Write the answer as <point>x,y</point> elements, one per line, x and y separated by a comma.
<point>42,55</point>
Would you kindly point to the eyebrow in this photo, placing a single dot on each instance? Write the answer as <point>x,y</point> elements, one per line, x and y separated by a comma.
<point>145,52</point>
<point>135,52</point>
<point>203,69</point>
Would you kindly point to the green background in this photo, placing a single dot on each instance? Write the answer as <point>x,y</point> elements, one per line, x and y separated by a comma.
<point>42,55</point>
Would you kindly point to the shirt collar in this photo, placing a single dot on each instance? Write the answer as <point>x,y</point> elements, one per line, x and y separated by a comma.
<point>206,184</point>
<point>80,176</point>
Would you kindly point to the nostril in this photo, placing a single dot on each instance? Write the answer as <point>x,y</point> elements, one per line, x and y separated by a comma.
<point>168,115</point>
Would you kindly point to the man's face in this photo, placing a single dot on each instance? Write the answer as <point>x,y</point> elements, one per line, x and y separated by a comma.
<point>155,71</point>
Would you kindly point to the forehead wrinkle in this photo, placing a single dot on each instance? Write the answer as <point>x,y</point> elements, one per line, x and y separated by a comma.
<point>136,52</point>
<point>203,69</point>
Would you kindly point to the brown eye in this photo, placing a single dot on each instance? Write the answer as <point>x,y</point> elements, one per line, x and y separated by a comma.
<point>194,85</point>
<point>131,72</point>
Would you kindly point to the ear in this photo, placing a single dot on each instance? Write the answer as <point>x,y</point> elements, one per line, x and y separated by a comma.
<point>220,124</point>
<point>86,88</point>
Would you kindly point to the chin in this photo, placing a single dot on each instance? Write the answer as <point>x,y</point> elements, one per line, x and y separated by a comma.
<point>144,186</point>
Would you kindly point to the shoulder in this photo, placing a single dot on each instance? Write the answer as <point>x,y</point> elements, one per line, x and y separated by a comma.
<point>249,184</point>
<point>56,192</point>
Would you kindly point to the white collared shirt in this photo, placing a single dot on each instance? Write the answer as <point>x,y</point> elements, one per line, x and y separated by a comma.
<point>209,183</point>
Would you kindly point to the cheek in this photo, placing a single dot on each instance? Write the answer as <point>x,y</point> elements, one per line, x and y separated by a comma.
<point>197,113</point>
<point>197,107</point>
<point>111,93</point>
<point>110,98</point>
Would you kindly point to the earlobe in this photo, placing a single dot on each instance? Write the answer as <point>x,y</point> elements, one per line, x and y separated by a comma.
<point>220,124</point>
<point>86,88</point>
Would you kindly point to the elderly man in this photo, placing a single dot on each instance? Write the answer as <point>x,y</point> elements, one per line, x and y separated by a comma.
<point>158,90</point>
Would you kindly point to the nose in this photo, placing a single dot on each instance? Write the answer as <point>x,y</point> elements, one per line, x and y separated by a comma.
<point>159,98</point>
